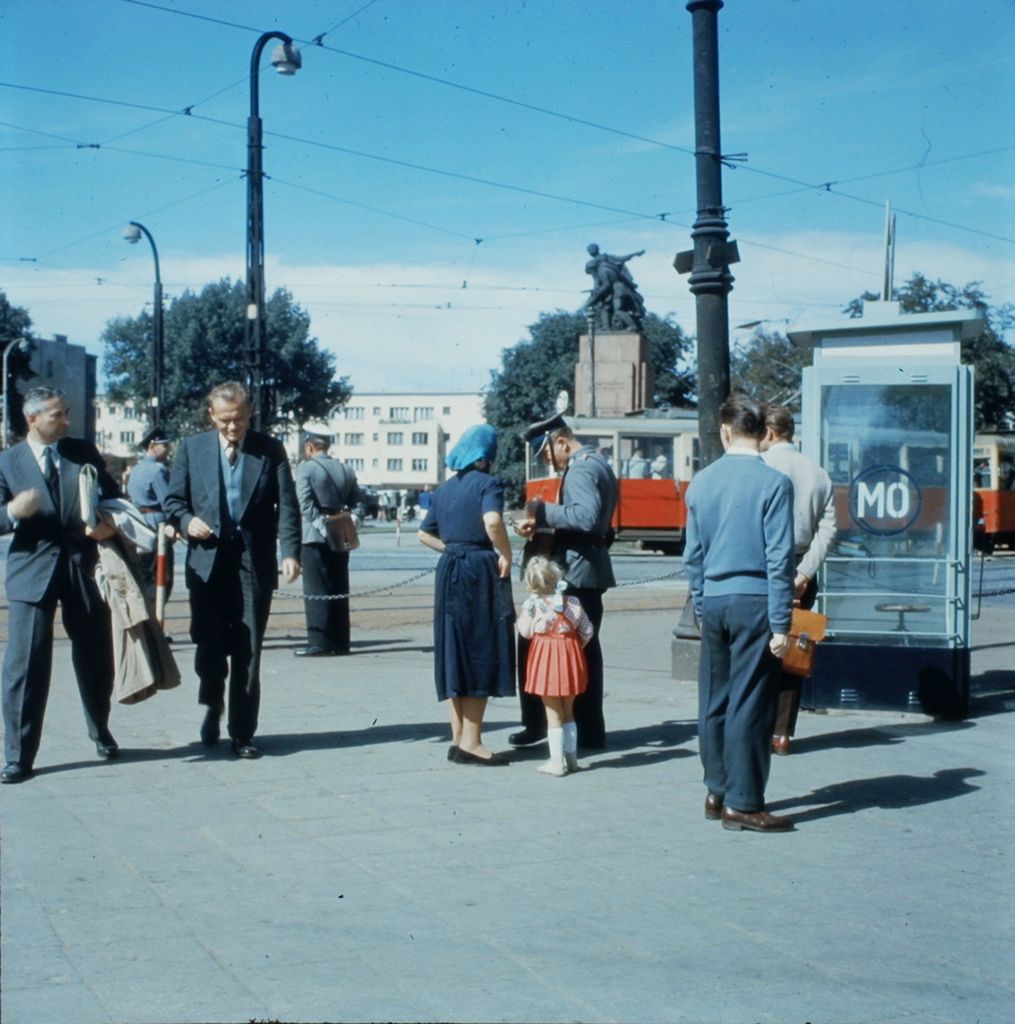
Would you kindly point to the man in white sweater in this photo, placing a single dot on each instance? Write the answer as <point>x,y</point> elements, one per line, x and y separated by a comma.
<point>813,532</point>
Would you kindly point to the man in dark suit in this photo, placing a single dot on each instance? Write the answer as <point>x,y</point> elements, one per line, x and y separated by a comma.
<point>51,560</point>
<point>231,495</point>
<point>324,487</point>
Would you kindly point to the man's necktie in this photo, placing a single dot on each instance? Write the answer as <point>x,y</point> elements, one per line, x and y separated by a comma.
<point>52,476</point>
<point>232,453</point>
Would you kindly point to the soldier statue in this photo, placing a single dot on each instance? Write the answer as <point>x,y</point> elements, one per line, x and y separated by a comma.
<point>614,297</point>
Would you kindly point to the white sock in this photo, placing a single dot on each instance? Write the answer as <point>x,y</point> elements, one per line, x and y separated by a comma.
<point>555,766</point>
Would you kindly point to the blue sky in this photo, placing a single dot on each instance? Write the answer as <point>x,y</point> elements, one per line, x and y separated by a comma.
<point>387,162</point>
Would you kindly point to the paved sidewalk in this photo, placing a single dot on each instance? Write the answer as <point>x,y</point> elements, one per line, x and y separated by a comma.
<point>354,874</point>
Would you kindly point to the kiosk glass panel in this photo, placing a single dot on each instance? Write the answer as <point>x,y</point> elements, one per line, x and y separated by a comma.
<point>887,448</point>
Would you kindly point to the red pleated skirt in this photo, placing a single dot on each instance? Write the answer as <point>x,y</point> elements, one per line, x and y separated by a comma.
<point>556,665</point>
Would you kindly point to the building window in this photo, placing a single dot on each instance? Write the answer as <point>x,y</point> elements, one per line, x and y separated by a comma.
<point>419,465</point>
<point>422,412</point>
<point>126,437</point>
<point>420,437</point>
<point>377,437</point>
<point>375,463</point>
<point>398,413</point>
<point>354,439</point>
<point>354,464</point>
<point>394,465</point>
<point>377,410</point>
<point>446,411</point>
<point>396,438</point>
<point>353,412</point>
<point>128,412</point>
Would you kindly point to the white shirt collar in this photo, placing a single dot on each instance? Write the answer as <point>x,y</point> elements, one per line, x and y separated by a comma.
<point>39,450</point>
<point>743,451</point>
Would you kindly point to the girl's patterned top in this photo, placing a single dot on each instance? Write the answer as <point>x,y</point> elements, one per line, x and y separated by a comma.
<point>540,615</point>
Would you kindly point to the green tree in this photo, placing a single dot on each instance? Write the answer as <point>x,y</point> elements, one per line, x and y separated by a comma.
<point>993,359</point>
<point>534,371</point>
<point>204,345</point>
<point>768,368</point>
<point>15,324</point>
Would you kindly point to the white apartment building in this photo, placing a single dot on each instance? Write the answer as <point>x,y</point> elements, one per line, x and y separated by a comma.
<point>119,427</point>
<point>398,440</point>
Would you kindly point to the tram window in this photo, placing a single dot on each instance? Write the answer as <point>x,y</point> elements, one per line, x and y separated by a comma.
<point>646,456</point>
<point>1006,474</point>
<point>981,472</point>
<point>602,444</point>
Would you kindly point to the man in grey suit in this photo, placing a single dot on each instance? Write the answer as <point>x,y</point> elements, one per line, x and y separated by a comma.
<point>582,536</point>
<point>231,495</point>
<point>51,561</point>
<point>324,487</point>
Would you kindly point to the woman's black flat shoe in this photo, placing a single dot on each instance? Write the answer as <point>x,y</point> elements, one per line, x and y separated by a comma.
<point>452,750</point>
<point>464,757</point>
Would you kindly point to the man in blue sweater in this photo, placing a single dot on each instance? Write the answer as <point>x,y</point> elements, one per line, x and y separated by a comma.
<point>739,558</point>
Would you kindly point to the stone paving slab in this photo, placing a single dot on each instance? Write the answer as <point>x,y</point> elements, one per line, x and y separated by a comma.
<point>354,874</point>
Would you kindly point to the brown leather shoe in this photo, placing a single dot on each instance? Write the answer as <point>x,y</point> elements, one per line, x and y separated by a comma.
<point>713,806</point>
<point>780,745</point>
<point>754,821</point>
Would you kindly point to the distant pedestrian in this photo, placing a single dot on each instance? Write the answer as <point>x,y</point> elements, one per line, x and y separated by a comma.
<point>325,488</point>
<point>474,653</point>
<point>739,559</point>
<point>813,532</point>
<point>558,629</point>
<point>147,487</point>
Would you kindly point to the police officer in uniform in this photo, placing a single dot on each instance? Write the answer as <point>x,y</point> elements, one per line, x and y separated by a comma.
<point>146,488</point>
<point>580,541</point>
<point>324,486</point>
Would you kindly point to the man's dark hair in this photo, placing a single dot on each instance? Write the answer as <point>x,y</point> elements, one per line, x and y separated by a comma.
<point>780,420</point>
<point>744,416</point>
<point>562,432</point>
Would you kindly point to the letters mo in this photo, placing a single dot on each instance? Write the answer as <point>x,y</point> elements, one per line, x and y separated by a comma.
<point>884,500</point>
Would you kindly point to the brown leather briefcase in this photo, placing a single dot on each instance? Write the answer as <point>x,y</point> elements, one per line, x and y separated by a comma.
<point>806,630</point>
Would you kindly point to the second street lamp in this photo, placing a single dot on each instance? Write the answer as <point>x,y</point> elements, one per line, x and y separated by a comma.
<point>286,60</point>
<point>132,233</point>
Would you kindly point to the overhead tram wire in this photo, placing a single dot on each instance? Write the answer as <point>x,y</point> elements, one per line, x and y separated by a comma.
<point>804,185</point>
<point>828,187</point>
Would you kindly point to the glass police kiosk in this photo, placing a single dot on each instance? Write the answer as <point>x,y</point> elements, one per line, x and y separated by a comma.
<point>887,410</point>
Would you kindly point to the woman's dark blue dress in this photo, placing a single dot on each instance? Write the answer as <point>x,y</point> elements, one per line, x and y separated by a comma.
<point>474,615</point>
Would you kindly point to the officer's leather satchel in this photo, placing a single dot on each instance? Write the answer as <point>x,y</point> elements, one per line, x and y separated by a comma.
<point>806,630</point>
<point>342,535</point>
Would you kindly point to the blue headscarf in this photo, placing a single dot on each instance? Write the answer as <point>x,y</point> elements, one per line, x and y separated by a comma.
<point>478,442</point>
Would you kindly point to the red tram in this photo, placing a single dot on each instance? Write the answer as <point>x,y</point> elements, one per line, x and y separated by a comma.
<point>655,453</point>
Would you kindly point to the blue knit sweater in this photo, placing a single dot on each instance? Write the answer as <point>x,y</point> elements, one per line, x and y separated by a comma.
<point>740,534</point>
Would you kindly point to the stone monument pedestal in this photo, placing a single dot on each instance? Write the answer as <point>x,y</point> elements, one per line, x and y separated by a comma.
<point>616,367</point>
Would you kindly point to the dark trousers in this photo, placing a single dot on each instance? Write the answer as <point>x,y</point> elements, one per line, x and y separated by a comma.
<point>29,659</point>
<point>789,684</point>
<point>229,615</point>
<point>588,707</point>
<point>736,698</point>
<point>326,572</point>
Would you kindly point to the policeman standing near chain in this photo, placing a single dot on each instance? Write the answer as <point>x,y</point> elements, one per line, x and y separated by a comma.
<point>580,535</point>
<point>147,487</point>
<point>324,487</point>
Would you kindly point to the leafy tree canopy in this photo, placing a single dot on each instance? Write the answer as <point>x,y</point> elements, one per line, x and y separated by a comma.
<point>204,345</point>
<point>534,371</point>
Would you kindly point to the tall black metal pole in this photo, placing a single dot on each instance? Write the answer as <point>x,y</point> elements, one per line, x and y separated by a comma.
<point>254,333</point>
<point>710,279</point>
<point>158,336</point>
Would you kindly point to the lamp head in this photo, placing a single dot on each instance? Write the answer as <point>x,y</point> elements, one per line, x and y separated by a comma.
<point>286,59</point>
<point>132,233</point>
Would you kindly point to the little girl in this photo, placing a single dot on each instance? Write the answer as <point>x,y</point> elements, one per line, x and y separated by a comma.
<point>556,669</point>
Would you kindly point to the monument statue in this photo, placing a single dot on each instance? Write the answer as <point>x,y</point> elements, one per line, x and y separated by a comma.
<point>614,296</point>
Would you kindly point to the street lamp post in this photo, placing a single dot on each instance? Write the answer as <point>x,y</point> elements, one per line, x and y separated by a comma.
<point>21,345</point>
<point>286,60</point>
<point>708,262</point>
<point>132,233</point>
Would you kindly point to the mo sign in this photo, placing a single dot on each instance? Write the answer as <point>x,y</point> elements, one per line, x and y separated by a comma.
<point>884,500</point>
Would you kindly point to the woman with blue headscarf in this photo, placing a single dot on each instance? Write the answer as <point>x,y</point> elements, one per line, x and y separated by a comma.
<point>474,649</point>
